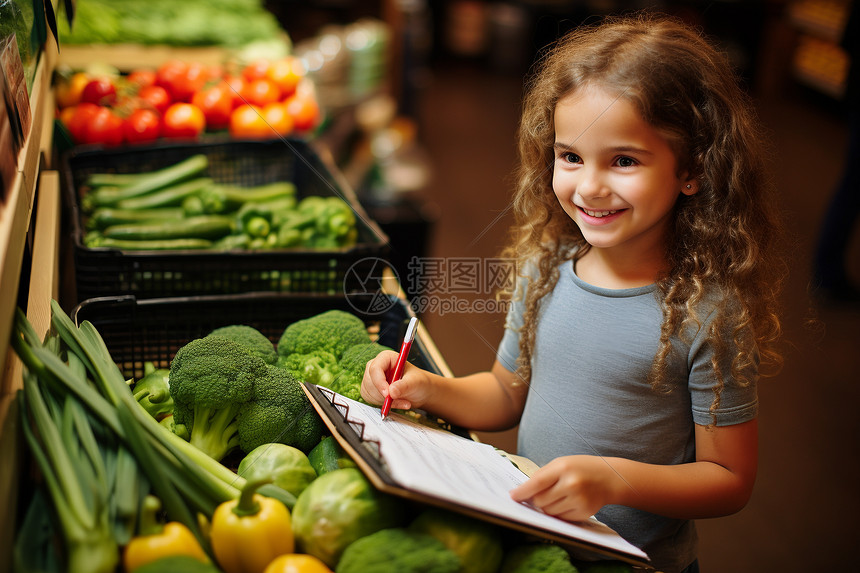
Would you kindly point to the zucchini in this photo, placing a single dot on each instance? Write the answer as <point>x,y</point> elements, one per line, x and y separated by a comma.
<point>104,217</point>
<point>168,197</point>
<point>148,182</point>
<point>328,456</point>
<point>209,227</point>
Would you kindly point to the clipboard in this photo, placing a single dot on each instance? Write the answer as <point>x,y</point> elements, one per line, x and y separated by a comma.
<point>350,423</point>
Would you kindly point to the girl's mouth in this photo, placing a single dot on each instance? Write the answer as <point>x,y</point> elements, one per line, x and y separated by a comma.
<point>598,214</point>
<point>599,217</point>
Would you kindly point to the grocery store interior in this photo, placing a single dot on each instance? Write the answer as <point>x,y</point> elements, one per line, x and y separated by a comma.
<point>430,148</point>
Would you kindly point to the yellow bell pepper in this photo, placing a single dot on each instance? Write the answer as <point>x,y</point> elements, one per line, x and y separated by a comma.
<point>249,533</point>
<point>297,563</point>
<point>155,540</point>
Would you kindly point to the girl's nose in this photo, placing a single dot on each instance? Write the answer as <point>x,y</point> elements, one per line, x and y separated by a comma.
<point>591,184</point>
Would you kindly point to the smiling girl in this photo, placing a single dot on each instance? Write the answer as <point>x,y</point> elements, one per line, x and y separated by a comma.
<point>647,304</point>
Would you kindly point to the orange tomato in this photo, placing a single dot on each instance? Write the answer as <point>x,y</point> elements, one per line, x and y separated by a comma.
<point>260,92</point>
<point>286,73</point>
<point>235,83</point>
<point>304,110</point>
<point>68,91</point>
<point>183,120</point>
<point>278,119</point>
<point>246,122</point>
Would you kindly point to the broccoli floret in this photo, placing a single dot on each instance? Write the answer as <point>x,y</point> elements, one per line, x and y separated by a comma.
<point>153,392</point>
<point>279,412</point>
<point>352,365</point>
<point>398,549</point>
<point>317,367</point>
<point>250,337</point>
<point>333,331</point>
<point>211,379</point>
<point>535,557</point>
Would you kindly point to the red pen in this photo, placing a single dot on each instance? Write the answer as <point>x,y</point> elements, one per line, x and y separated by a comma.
<point>401,361</point>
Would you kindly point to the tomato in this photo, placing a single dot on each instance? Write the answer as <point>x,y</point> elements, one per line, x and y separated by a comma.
<point>304,110</point>
<point>155,97</point>
<point>68,92</point>
<point>103,126</point>
<point>101,91</point>
<point>142,125</point>
<point>183,120</point>
<point>246,122</point>
<point>297,563</point>
<point>141,77</point>
<point>286,73</point>
<point>182,79</point>
<point>77,120</point>
<point>216,102</point>
<point>260,92</point>
<point>256,70</point>
<point>278,119</point>
<point>235,84</point>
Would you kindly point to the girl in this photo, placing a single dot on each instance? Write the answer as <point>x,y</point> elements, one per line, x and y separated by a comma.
<point>647,302</point>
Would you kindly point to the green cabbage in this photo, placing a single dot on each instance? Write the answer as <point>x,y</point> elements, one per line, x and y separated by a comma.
<point>287,467</point>
<point>337,508</point>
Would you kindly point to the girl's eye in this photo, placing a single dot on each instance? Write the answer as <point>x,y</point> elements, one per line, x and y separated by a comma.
<point>571,157</point>
<point>626,162</point>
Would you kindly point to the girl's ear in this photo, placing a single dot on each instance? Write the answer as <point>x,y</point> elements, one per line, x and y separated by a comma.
<point>690,187</point>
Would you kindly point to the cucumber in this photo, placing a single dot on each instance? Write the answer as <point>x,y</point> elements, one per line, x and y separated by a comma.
<point>168,197</point>
<point>154,245</point>
<point>328,456</point>
<point>148,182</point>
<point>209,227</point>
<point>105,217</point>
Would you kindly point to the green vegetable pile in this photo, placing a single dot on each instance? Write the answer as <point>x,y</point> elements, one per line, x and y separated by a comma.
<point>186,23</point>
<point>179,207</point>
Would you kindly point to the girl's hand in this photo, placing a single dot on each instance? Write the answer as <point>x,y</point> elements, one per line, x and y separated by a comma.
<point>411,391</point>
<point>572,488</point>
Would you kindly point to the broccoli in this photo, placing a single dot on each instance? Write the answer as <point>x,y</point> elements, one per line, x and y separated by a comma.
<point>250,337</point>
<point>398,549</point>
<point>333,331</point>
<point>211,379</point>
<point>534,557</point>
<point>352,365</point>
<point>318,367</point>
<point>152,391</point>
<point>279,412</point>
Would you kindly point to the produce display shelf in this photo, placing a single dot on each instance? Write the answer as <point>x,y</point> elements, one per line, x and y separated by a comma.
<point>153,274</point>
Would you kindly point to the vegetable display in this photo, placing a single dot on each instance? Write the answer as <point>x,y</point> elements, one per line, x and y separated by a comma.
<point>180,207</point>
<point>119,490</point>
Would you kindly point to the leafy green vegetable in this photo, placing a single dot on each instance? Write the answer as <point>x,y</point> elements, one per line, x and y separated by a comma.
<point>336,509</point>
<point>537,558</point>
<point>401,550</point>
<point>285,466</point>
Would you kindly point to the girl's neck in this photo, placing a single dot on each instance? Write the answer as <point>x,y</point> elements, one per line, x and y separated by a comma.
<point>618,270</point>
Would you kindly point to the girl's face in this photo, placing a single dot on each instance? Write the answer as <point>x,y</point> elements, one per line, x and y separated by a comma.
<point>614,174</point>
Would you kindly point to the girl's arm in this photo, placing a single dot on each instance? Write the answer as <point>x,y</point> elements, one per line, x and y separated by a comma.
<point>718,483</point>
<point>484,401</point>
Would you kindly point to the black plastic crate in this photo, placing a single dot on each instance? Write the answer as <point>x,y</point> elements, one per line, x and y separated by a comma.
<point>138,330</point>
<point>150,274</point>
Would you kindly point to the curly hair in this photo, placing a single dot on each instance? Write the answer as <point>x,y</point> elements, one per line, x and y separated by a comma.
<point>725,237</point>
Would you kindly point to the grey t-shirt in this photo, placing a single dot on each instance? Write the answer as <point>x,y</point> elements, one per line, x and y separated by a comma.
<point>589,394</point>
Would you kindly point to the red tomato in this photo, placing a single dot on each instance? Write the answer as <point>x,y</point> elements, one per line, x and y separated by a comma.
<point>256,70</point>
<point>183,120</point>
<point>246,122</point>
<point>155,97</point>
<point>78,120</point>
<point>286,73</point>
<point>104,127</point>
<point>216,102</point>
<point>141,77</point>
<point>142,125</point>
<point>278,119</point>
<point>235,84</point>
<point>260,92</point>
<point>170,73</point>
<point>304,110</point>
<point>101,91</point>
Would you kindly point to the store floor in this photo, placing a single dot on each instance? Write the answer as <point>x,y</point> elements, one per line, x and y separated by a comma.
<point>802,515</point>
